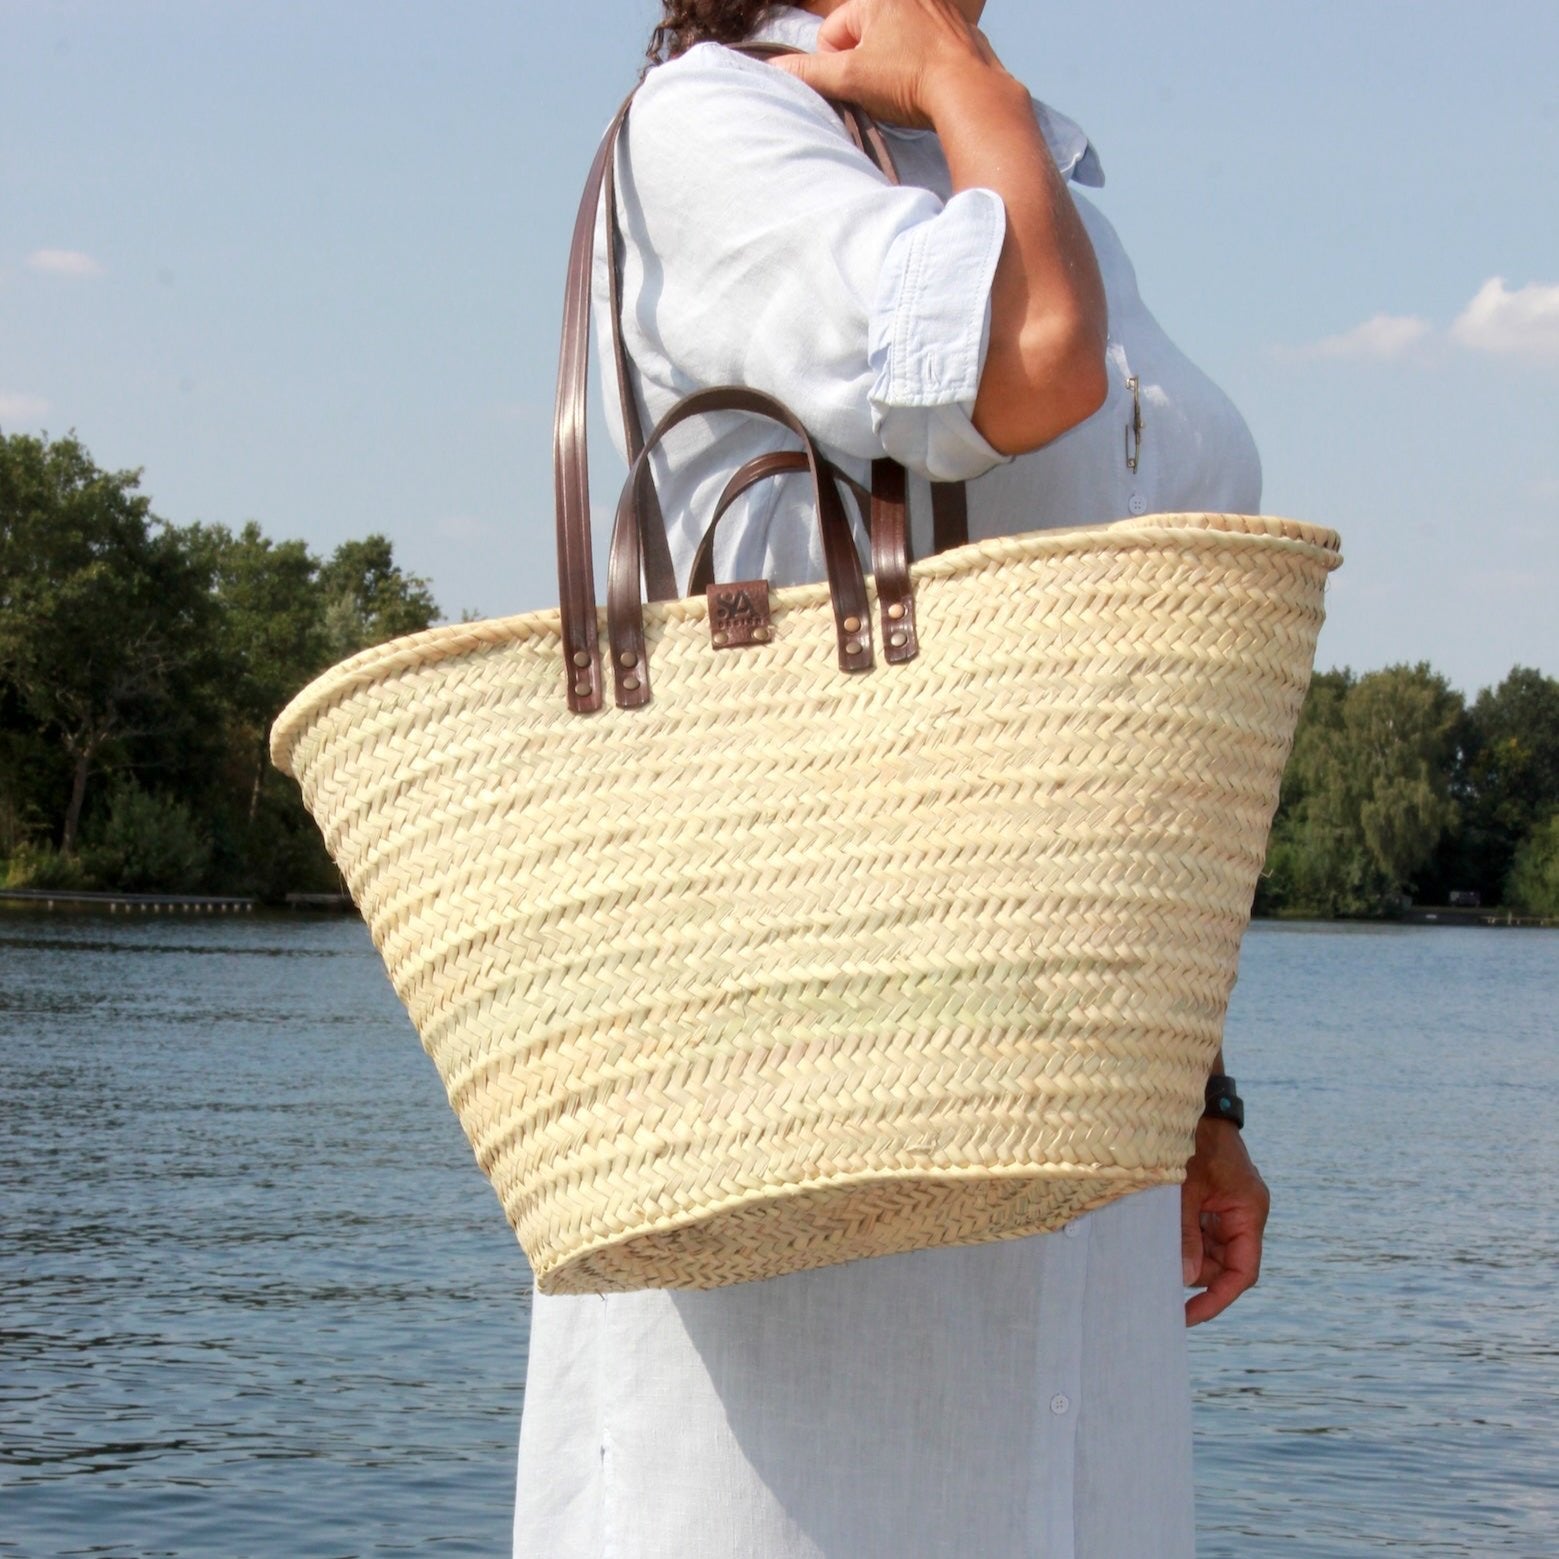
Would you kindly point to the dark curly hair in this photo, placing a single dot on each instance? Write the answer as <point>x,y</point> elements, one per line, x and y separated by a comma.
<point>686,22</point>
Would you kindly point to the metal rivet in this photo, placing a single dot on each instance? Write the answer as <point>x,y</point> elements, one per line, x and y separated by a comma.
<point>630,684</point>
<point>898,640</point>
<point>581,658</point>
<point>852,625</point>
<point>896,610</point>
<point>722,638</point>
<point>628,658</point>
<point>852,646</point>
<point>582,688</point>
<point>760,633</point>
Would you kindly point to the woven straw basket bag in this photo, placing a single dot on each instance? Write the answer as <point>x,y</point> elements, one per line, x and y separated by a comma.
<point>811,953</point>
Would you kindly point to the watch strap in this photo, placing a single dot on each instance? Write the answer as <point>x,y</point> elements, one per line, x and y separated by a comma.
<point>1222,1103</point>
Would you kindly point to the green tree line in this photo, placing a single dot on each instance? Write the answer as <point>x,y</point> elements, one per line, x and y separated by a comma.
<point>1398,789</point>
<point>142,663</point>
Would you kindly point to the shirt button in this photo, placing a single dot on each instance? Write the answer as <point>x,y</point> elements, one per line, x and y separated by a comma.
<point>1072,1230</point>
<point>1138,504</point>
<point>1059,1403</point>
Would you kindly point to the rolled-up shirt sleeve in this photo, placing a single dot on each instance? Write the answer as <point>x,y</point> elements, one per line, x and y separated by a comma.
<point>765,249</point>
<point>930,327</point>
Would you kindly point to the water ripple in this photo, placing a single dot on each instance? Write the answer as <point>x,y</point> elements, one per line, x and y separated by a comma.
<point>258,1299</point>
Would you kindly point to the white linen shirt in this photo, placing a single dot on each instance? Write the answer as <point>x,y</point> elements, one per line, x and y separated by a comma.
<point>763,249</point>
<point>1026,1397</point>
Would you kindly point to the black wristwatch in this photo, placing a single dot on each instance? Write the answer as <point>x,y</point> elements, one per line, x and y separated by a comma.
<point>1222,1103</point>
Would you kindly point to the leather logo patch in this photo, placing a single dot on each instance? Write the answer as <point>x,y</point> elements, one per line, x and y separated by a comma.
<point>739,614</point>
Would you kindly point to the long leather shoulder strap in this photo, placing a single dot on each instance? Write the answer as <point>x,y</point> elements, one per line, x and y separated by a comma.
<point>571,483</point>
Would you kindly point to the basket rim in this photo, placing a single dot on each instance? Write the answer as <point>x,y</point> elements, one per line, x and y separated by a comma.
<point>450,640</point>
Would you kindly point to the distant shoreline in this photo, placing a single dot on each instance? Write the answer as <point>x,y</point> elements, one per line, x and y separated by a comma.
<point>1437,915</point>
<point>340,904</point>
<point>1422,915</point>
<point>110,902</point>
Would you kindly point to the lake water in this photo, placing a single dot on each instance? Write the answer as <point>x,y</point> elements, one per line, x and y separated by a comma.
<point>256,1299</point>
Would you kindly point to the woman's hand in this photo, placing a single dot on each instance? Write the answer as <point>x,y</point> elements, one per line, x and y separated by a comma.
<point>1223,1211</point>
<point>891,57</point>
<point>924,63</point>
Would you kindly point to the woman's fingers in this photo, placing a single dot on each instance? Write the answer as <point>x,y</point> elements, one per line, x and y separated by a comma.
<point>887,93</point>
<point>841,29</point>
<point>1227,1271</point>
<point>827,74</point>
<point>887,56</point>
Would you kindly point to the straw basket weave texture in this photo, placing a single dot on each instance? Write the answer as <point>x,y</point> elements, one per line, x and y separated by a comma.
<point>792,967</point>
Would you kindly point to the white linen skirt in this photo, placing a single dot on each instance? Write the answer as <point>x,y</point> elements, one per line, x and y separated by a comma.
<point>1027,1399</point>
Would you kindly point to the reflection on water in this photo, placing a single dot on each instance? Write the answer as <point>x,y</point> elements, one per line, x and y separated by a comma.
<point>258,1300</point>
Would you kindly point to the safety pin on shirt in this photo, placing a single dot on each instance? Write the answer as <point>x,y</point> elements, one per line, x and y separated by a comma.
<point>1134,427</point>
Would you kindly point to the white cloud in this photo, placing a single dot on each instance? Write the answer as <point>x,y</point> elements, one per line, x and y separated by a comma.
<point>1380,337</point>
<point>63,262</point>
<point>22,408</point>
<point>1524,322</point>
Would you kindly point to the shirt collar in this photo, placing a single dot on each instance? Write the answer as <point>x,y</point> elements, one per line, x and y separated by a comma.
<point>1073,151</point>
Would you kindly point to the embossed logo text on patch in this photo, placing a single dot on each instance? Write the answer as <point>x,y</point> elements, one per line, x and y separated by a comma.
<point>739,613</point>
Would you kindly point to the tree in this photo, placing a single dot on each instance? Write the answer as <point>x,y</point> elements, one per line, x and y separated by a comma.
<point>1402,723</point>
<point>1365,798</point>
<point>32,768</point>
<point>148,842</point>
<point>1506,782</point>
<point>1308,853</point>
<point>1533,885</point>
<point>163,655</point>
<point>272,627</point>
<point>368,599</point>
<point>103,613</point>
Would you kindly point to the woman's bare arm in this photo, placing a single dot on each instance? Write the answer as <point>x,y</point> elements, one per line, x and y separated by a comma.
<point>922,63</point>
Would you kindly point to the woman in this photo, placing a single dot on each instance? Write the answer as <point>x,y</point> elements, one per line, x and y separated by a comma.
<point>981,323</point>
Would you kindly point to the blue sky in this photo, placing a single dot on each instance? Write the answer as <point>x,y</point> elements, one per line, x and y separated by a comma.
<point>303,264</point>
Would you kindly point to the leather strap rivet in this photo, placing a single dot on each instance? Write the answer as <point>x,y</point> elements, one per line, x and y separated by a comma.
<point>722,638</point>
<point>852,625</point>
<point>898,640</point>
<point>896,611</point>
<point>630,684</point>
<point>581,658</point>
<point>852,646</point>
<point>760,633</point>
<point>582,688</point>
<point>629,659</point>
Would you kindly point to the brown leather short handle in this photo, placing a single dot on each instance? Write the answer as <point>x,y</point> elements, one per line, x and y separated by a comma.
<point>948,504</point>
<point>888,510</point>
<point>779,462</point>
<point>625,606</point>
<point>625,610</point>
